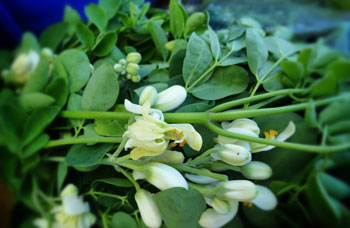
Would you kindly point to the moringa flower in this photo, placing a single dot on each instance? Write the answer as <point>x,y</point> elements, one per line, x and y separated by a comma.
<point>24,65</point>
<point>233,154</point>
<point>150,135</point>
<point>210,218</point>
<point>265,199</point>
<point>239,190</point>
<point>256,170</point>
<point>171,98</point>
<point>148,209</point>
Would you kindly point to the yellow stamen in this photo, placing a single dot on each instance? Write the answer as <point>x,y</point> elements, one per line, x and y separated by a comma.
<point>183,143</point>
<point>271,135</point>
<point>248,204</point>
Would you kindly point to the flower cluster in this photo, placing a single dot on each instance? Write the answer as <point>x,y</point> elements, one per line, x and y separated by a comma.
<point>129,66</point>
<point>73,213</point>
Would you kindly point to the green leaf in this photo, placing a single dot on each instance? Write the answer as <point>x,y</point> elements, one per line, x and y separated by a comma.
<point>177,18</point>
<point>38,79</point>
<point>340,69</point>
<point>58,89</point>
<point>37,122</point>
<point>159,75</point>
<point>105,44</point>
<point>280,47</point>
<point>306,57</point>
<point>179,207</point>
<point>72,18</point>
<point>311,114</point>
<point>118,182</point>
<point>110,7</point>
<point>89,132</point>
<point>53,35</point>
<point>176,63</point>
<point>335,112</point>
<point>214,44</point>
<point>294,70</point>
<point>256,51</point>
<point>96,16</point>
<point>77,66</point>
<point>324,86</point>
<point>35,146</point>
<point>62,171</point>
<point>233,61</point>
<point>110,127</point>
<point>159,38</point>
<point>74,104</point>
<point>274,82</point>
<point>122,220</point>
<point>85,35</point>
<point>29,42</point>
<point>102,90</point>
<point>195,107</point>
<point>225,81</point>
<point>197,60</point>
<point>335,187</point>
<point>83,155</point>
<point>36,100</point>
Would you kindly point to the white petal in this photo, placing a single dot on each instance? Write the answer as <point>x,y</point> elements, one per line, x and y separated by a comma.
<point>137,175</point>
<point>200,179</point>
<point>212,219</point>
<point>265,199</point>
<point>148,209</point>
<point>74,205</point>
<point>283,136</point>
<point>194,139</point>
<point>137,109</point>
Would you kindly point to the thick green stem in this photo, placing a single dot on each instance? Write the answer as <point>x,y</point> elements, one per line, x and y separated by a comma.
<point>294,146</point>
<point>200,172</point>
<point>69,141</point>
<point>259,97</point>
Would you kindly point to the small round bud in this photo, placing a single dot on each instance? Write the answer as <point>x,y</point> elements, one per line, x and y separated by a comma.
<point>47,52</point>
<point>70,189</point>
<point>256,170</point>
<point>171,98</point>
<point>170,45</point>
<point>240,190</point>
<point>148,94</point>
<point>132,68</point>
<point>122,62</point>
<point>128,76</point>
<point>118,67</point>
<point>136,78</point>
<point>133,57</point>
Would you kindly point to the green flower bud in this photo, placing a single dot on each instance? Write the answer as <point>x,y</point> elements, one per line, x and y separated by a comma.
<point>194,21</point>
<point>234,154</point>
<point>170,45</point>
<point>47,52</point>
<point>256,170</point>
<point>70,189</point>
<point>118,67</point>
<point>240,190</point>
<point>171,98</point>
<point>122,62</point>
<point>132,68</point>
<point>135,78</point>
<point>128,76</point>
<point>148,94</point>
<point>133,57</point>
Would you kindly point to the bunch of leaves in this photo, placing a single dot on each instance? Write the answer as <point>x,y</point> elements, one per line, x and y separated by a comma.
<point>38,127</point>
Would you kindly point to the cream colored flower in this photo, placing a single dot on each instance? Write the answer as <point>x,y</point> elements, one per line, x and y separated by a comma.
<point>24,65</point>
<point>148,209</point>
<point>210,218</point>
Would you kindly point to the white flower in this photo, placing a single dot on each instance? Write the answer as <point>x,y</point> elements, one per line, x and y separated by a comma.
<point>170,98</point>
<point>234,154</point>
<point>148,209</point>
<point>24,65</point>
<point>163,176</point>
<point>212,219</point>
<point>257,170</point>
<point>239,190</point>
<point>150,136</point>
<point>41,223</point>
<point>265,199</point>
<point>149,93</point>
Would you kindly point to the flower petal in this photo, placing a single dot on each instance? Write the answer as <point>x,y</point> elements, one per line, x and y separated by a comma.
<point>212,219</point>
<point>265,199</point>
<point>139,152</point>
<point>194,139</point>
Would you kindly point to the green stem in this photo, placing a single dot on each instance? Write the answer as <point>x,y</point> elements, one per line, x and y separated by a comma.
<point>134,165</point>
<point>294,146</point>
<point>200,172</point>
<point>242,101</point>
<point>202,76</point>
<point>266,102</point>
<point>122,198</point>
<point>127,175</point>
<point>199,158</point>
<point>120,147</point>
<point>227,166</point>
<point>201,189</point>
<point>69,141</point>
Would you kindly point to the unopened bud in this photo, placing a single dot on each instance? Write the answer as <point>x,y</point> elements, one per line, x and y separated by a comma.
<point>47,52</point>
<point>219,205</point>
<point>148,94</point>
<point>135,78</point>
<point>122,62</point>
<point>234,154</point>
<point>240,190</point>
<point>148,209</point>
<point>256,170</point>
<point>170,45</point>
<point>198,179</point>
<point>132,68</point>
<point>171,98</point>
<point>118,67</point>
<point>170,156</point>
<point>23,66</point>
<point>133,57</point>
<point>70,189</point>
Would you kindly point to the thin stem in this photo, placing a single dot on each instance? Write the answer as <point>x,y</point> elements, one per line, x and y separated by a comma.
<point>266,102</point>
<point>124,158</point>
<point>202,76</point>
<point>294,146</point>
<point>227,166</point>
<point>242,101</point>
<point>69,141</point>
<point>127,175</point>
<point>201,189</point>
<point>120,147</point>
<point>134,165</point>
<point>200,172</point>
<point>122,198</point>
<point>198,159</point>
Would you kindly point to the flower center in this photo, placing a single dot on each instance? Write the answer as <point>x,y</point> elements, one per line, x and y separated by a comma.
<point>271,134</point>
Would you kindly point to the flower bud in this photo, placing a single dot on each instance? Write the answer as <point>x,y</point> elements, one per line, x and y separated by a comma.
<point>169,156</point>
<point>135,78</point>
<point>148,94</point>
<point>133,57</point>
<point>240,190</point>
<point>122,62</point>
<point>200,179</point>
<point>265,199</point>
<point>163,176</point>
<point>171,98</point>
<point>234,154</point>
<point>118,68</point>
<point>70,189</point>
<point>128,76</point>
<point>170,45</point>
<point>219,205</point>
<point>256,170</point>
<point>148,209</point>
<point>132,68</point>
<point>47,52</point>
<point>212,219</point>
<point>23,66</point>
